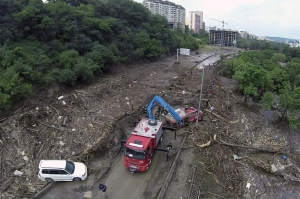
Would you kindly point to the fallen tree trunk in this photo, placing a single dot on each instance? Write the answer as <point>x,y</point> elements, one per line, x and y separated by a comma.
<point>218,116</point>
<point>214,140</point>
<point>254,148</point>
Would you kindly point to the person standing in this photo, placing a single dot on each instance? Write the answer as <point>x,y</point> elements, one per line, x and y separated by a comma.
<point>102,188</point>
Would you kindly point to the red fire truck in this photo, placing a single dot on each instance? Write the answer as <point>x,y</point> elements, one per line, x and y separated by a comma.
<point>148,132</point>
<point>144,140</point>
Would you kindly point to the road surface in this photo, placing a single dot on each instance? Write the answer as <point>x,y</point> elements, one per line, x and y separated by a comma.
<point>122,184</point>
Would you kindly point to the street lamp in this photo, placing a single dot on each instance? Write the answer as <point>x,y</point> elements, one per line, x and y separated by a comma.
<point>200,95</point>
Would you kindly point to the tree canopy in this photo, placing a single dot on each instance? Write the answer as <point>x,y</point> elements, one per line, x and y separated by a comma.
<point>271,76</point>
<point>70,41</point>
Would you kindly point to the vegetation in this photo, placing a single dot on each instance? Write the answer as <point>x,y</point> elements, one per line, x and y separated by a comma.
<point>271,75</point>
<point>70,42</point>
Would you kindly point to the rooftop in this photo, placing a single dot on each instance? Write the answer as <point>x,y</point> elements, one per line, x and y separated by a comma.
<point>52,164</point>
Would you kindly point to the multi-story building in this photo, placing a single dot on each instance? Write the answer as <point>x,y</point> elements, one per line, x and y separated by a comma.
<point>174,13</point>
<point>223,37</point>
<point>195,21</point>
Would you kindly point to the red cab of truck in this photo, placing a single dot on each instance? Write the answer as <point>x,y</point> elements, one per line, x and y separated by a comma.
<point>139,148</point>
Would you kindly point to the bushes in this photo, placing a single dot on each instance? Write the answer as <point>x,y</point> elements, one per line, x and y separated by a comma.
<point>12,87</point>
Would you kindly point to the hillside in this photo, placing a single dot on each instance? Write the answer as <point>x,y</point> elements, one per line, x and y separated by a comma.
<point>73,42</point>
<point>282,39</point>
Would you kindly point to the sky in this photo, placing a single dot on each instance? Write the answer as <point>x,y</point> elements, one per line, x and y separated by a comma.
<point>275,18</point>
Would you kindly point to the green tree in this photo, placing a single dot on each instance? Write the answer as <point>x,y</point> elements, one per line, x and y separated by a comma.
<point>267,100</point>
<point>278,57</point>
<point>253,80</point>
<point>296,60</point>
<point>280,79</point>
<point>293,70</point>
<point>12,87</point>
<point>68,59</point>
<point>229,67</point>
<point>290,106</point>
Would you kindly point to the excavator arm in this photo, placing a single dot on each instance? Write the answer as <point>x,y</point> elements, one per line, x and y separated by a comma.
<point>158,99</point>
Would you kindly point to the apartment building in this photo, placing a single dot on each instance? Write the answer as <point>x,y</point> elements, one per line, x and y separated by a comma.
<point>174,13</point>
<point>195,21</point>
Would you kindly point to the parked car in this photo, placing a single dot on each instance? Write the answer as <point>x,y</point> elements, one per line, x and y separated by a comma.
<point>61,170</point>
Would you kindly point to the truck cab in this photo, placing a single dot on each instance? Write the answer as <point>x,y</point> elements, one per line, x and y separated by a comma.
<point>139,148</point>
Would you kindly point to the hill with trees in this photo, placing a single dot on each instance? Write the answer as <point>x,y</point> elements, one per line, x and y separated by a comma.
<point>72,41</point>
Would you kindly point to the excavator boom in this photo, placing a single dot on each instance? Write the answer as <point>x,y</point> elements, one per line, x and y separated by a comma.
<point>158,99</point>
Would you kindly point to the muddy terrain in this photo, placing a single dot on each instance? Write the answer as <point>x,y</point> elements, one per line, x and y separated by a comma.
<point>236,152</point>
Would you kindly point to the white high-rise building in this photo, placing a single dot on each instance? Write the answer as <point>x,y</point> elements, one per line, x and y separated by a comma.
<point>195,21</point>
<point>174,13</point>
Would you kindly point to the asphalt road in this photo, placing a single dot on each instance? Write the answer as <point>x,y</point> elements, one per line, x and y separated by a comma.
<point>122,184</point>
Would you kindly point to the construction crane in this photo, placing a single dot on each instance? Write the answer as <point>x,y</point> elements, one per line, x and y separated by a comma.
<point>221,22</point>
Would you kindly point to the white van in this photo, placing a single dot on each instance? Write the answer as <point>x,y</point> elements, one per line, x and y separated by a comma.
<point>62,170</point>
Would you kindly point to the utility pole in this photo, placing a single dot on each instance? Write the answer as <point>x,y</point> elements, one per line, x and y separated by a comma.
<point>200,98</point>
<point>177,56</point>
